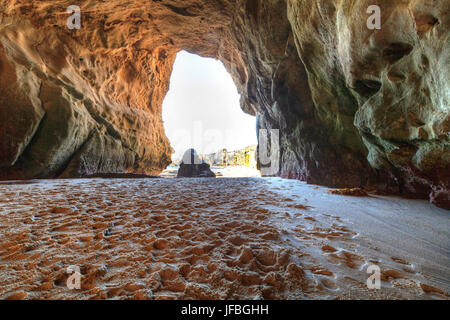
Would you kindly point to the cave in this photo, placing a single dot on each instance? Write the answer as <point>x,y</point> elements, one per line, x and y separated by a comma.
<point>361,117</point>
<point>348,118</point>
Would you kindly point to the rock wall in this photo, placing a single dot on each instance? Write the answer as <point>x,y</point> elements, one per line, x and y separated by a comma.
<point>355,107</point>
<point>392,84</point>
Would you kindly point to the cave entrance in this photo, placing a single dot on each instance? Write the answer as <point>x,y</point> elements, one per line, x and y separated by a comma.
<point>202,111</point>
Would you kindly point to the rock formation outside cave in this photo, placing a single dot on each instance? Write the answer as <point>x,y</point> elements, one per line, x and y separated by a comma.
<point>192,166</point>
<point>360,103</point>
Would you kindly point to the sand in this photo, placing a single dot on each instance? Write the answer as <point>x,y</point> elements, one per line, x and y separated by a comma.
<point>225,238</point>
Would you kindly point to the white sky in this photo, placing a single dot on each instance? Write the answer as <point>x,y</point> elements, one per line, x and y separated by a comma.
<point>201,109</point>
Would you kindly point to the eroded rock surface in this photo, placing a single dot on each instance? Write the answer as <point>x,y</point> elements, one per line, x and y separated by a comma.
<point>355,107</point>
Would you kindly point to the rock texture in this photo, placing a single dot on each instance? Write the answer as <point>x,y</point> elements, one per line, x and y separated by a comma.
<point>192,166</point>
<point>392,84</point>
<point>355,107</point>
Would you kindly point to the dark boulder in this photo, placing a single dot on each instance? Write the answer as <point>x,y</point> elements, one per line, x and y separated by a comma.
<point>193,167</point>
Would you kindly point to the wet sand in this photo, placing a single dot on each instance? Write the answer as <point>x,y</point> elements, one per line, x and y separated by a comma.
<point>226,238</point>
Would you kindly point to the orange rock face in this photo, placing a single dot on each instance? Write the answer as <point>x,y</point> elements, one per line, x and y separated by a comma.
<point>355,107</point>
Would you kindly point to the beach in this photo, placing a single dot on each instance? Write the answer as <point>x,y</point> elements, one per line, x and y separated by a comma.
<point>225,238</point>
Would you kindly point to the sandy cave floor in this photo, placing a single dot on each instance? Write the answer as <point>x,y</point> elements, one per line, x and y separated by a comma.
<point>225,238</point>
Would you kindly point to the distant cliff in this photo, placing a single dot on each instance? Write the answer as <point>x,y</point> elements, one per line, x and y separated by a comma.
<point>244,157</point>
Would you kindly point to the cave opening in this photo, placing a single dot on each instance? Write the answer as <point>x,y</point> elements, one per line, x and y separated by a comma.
<point>202,111</point>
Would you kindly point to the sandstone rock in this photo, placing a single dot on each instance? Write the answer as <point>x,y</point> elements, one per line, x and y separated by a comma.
<point>390,83</point>
<point>193,167</point>
<point>355,107</point>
